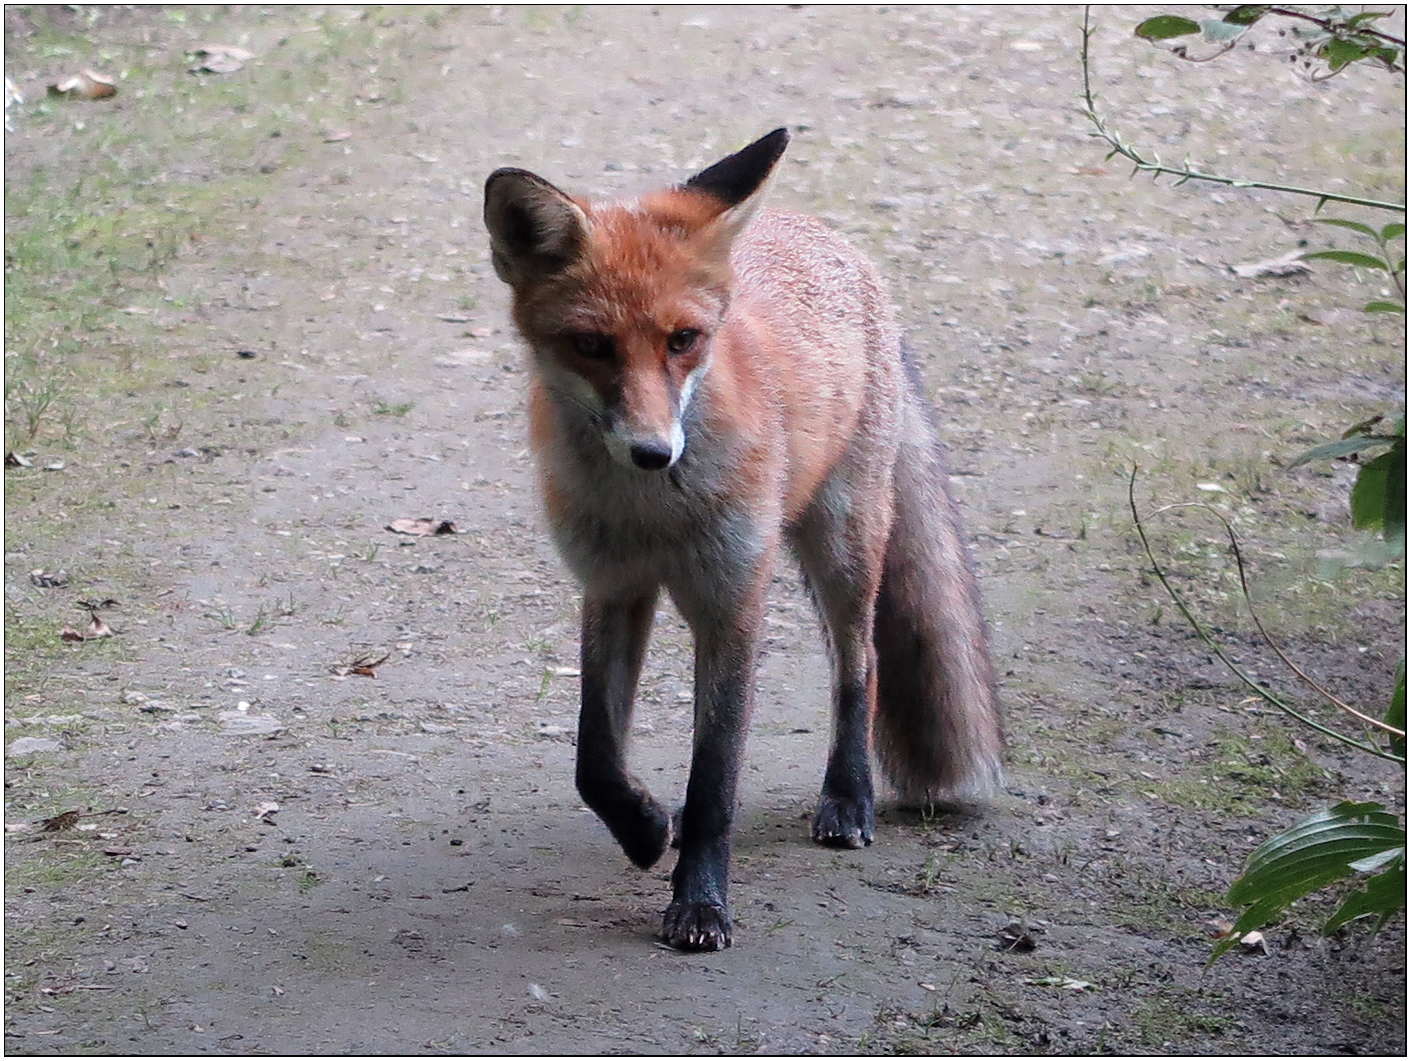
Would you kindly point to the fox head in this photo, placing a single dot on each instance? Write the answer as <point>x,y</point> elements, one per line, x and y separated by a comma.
<point>621,302</point>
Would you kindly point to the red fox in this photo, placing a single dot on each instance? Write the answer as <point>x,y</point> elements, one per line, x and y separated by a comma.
<point>709,383</point>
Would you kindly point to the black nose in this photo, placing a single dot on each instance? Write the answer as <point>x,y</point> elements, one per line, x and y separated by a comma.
<point>652,454</point>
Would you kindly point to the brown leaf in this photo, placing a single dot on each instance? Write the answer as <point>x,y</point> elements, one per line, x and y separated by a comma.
<point>95,629</point>
<point>363,666</point>
<point>422,528</point>
<point>86,84</point>
<point>1219,927</point>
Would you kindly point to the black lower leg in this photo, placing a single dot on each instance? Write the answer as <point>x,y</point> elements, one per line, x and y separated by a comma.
<point>846,816</point>
<point>699,915</point>
<point>614,640</point>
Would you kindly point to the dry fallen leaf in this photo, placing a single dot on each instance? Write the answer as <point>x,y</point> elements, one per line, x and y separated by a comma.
<point>422,528</point>
<point>220,59</point>
<point>265,809</point>
<point>95,629</point>
<point>362,666</point>
<point>333,138</point>
<point>1253,942</point>
<point>1219,927</point>
<point>60,822</point>
<point>1289,265</point>
<point>1331,317</point>
<point>1066,982</point>
<point>1017,937</point>
<point>86,84</point>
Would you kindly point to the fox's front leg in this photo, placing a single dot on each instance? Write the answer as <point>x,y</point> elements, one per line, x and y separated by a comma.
<point>727,645</point>
<point>614,642</point>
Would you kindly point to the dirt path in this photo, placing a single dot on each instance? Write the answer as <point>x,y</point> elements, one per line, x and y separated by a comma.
<point>262,304</point>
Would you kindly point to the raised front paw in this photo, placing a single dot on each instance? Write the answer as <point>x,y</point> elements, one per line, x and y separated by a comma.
<point>696,926</point>
<point>843,822</point>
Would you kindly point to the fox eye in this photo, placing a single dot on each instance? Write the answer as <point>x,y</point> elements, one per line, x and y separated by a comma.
<point>592,345</point>
<point>678,342</point>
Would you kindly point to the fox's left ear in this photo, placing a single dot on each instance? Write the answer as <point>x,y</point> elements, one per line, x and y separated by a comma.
<point>736,180</point>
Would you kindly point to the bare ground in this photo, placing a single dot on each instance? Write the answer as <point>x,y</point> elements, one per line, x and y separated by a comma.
<point>262,306</point>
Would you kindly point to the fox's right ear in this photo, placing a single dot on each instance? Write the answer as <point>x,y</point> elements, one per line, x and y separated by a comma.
<point>535,229</point>
<point>737,182</point>
<point>736,177</point>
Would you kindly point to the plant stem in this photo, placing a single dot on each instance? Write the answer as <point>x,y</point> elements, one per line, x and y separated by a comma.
<point>1234,668</point>
<point>1185,173</point>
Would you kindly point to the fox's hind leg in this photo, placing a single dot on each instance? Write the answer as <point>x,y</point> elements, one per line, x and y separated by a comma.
<point>614,642</point>
<point>841,545</point>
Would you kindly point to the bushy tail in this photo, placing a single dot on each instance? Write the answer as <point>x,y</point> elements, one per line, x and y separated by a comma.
<point>937,729</point>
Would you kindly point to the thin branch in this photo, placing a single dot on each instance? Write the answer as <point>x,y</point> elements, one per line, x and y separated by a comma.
<point>1155,167</point>
<point>1214,646</point>
<point>1258,625</point>
<point>1327,25</point>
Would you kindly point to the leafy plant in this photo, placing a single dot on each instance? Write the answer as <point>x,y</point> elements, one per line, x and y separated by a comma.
<point>1362,840</point>
<point>1186,172</point>
<point>1348,839</point>
<point>1380,262</point>
<point>1378,498</point>
<point>1329,39</point>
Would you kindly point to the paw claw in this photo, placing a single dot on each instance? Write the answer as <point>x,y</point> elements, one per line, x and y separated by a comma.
<point>696,926</point>
<point>841,822</point>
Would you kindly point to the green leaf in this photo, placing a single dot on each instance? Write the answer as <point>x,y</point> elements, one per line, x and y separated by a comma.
<point>1396,713</point>
<point>1365,554</point>
<point>1343,447</point>
<point>1366,261</point>
<point>1383,307</point>
<point>1372,863</point>
<point>1246,14</point>
<point>1220,31</point>
<point>1340,53</point>
<point>1384,895</point>
<point>1342,222</point>
<point>1379,494</point>
<point>1306,857</point>
<point>1395,230</point>
<point>1164,27</point>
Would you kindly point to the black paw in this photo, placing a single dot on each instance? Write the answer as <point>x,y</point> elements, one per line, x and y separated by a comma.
<point>843,822</point>
<point>696,926</point>
<point>644,836</point>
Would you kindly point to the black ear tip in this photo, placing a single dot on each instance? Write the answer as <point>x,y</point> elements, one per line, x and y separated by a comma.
<point>736,177</point>
<point>506,172</point>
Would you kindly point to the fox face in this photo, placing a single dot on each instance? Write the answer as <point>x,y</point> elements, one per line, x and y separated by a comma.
<point>620,303</point>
